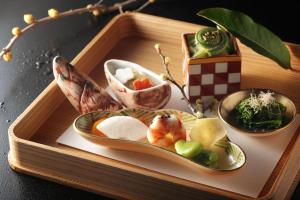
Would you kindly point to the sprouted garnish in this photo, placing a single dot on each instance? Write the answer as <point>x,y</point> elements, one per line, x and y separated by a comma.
<point>260,112</point>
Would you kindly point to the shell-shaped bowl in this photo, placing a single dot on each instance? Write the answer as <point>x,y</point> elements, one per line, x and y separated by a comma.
<point>229,102</point>
<point>231,155</point>
<point>151,98</point>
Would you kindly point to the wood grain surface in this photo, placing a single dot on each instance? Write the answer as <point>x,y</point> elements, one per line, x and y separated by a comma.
<point>132,37</point>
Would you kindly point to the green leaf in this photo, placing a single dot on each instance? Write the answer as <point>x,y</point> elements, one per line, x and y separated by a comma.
<point>250,33</point>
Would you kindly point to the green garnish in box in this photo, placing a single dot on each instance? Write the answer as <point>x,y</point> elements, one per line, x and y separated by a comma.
<point>210,42</point>
<point>250,33</point>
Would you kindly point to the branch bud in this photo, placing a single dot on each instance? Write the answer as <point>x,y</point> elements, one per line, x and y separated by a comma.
<point>157,47</point>
<point>97,12</point>
<point>89,6</point>
<point>53,13</point>
<point>16,31</point>
<point>7,56</point>
<point>167,60</point>
<point>29,19</point>
<point>163,76</point>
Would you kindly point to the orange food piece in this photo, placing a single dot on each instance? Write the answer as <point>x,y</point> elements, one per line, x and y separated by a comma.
<point>95,130</point>
<point>140,84</point>
<point>165,132</point>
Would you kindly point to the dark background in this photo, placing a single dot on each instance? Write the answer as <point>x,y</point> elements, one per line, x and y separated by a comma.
<point>30,71</point>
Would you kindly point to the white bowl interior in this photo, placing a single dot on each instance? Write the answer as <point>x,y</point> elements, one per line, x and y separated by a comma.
<point>114,64</point>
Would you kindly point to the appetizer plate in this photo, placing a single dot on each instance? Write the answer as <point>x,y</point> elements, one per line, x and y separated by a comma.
<point>231,156</point>
<point>152,98</point>
<point>228,104</point>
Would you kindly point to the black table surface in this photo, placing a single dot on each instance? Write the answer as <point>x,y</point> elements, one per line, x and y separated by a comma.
<point>30,71</point>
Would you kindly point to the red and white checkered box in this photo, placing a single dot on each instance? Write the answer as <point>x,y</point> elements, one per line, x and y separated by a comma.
<point>208,78</point>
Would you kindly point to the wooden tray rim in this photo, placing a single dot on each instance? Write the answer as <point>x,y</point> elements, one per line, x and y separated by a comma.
<point>110,162</point>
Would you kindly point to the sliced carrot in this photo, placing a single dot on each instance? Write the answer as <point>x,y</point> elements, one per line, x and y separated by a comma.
<point>140,84</point>
<point>95,130</point>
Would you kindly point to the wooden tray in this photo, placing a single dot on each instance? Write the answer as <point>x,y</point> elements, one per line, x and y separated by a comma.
<point>131,36</point>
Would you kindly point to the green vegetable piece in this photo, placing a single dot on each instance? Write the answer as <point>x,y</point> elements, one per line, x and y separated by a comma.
<point>213,156</point>
<point>208,158</point>
<point>214,165</point>
<point>188,149</point>
<point>270,124</point>
<point>250,33</point>
<point>211,42</point>
<point>254,113</point>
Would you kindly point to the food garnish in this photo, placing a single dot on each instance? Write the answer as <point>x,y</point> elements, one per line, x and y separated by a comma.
<point>123,127</point>
<point>260,111</point>
<point>207,131</point>
<point>124,75</point>
<point>209,158</point>
<point>210,42</point>
<point>165,131</point>
<point>188,149</point>
<point>133,79</point>
<point>94,128</point>
<point>140,84</point>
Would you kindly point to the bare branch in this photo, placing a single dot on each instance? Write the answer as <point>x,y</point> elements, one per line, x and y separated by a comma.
<point>169,77</point>
<point>98,7</point>
<point>147,3</point>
